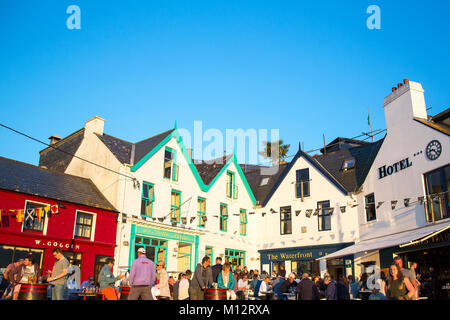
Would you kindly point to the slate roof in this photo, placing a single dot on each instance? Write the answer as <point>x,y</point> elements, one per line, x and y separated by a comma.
<point>209,169</point>
<point>26,178</point>
<point>145,146</point>
<point>121,149</point>
<point>329,164</point>
<point>56,160</point>
<point>351,179</point>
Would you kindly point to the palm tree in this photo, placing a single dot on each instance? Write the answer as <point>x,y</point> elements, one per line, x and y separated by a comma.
<point>274,156</point>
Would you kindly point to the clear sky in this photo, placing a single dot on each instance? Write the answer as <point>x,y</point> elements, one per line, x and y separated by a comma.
<point>306,68</point>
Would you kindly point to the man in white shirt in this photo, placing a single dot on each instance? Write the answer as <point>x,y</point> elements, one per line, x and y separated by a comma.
<point>264,286</point>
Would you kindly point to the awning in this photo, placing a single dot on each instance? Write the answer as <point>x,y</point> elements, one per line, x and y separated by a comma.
<point>402,238</point>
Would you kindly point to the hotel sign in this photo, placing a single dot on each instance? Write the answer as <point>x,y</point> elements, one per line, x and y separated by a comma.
<point>386,170</point>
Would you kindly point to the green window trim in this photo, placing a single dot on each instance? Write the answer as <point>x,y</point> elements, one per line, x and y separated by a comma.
<point>231,185</point>
<point>201,212</point>
<point>147,199</point>
<point>239,255</point>
<point>175,205</point>
<point>243,222</point>
<point>170,172</point>
<point>209,254</point>
<point>223,221</point>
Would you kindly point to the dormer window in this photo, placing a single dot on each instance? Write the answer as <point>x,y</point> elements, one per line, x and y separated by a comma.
<point>264,181</point>
<point>348,164</point>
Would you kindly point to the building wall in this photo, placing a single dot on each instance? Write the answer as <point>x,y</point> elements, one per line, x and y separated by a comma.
<point>59,231</point>
<point>406,138</point>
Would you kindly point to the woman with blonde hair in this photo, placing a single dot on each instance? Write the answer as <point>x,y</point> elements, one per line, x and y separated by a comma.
<point>225,280</point>
<point>399,286</point>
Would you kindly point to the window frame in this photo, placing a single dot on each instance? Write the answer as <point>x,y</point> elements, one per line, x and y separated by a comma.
<point>370,205</point>
<point>323,215</point>
<point>201,214</point>
<point>285,220</point>
<point>299,183</point>
<point>432,215</point>
<point>243,222</point>
<point>173,175</point>
<point>148,199</point>
<point>174,208</point>
<point>231,189</point>
<point>223,219</point>
<point>45,225</point>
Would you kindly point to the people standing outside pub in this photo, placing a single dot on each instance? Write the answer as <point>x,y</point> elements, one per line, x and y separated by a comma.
<point>183,288</point>
<point>107,281</point>
<point>142,277</point>
<point>399,287</point>
<point>282,271</point>
<point>414,275</point>
<point>58,275</point>
<point>73,281</point>
<point>343,288</point>
<point>412,278</point>
<point>216,269</point>
<point>161,288</point>
<point>353,287</point>
<point>330,292</point>
<point>307,289</point>
<point>201,280</point>
<point>10,275</point>
<point>225,280</point>
<point>28,270</point>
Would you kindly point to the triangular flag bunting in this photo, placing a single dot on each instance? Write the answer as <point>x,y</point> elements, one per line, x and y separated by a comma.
<point>54,209</point>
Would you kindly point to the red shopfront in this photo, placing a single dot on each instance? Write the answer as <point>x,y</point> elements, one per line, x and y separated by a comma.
<point>86,235</point>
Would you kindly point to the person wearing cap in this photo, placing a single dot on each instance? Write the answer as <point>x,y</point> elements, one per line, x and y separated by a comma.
<point>142,277</point>
<point>88,284</point>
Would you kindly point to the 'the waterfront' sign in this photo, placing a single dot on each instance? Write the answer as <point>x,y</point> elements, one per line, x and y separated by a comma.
<point>388,170</point>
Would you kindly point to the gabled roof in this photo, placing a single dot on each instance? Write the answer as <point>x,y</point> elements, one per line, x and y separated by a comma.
<point>26,178</point>
<point>330,165</point>
<point>143,147</point>
<point>351,179</point>
<point>209,169</point>
<point>56,160</point>
<point>121,149</point>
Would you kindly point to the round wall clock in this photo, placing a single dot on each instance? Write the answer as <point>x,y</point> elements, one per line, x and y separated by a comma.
<point>433,150</point>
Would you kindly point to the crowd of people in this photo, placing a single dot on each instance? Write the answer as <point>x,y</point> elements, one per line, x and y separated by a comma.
<point>147,281</point>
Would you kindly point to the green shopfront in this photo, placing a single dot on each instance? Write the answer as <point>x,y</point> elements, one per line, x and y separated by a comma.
<point>303,260</point>
<point>178,250</point>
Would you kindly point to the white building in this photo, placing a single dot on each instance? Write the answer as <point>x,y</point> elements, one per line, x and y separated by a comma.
<point>410,172</point>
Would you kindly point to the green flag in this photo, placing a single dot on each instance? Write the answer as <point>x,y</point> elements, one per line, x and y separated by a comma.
<point>368,119</point>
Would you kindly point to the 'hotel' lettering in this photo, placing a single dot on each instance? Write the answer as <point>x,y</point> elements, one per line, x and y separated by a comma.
<point>403,164</point>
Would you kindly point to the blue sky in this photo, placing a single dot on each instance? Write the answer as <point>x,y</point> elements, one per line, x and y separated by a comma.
<point>305,67</point>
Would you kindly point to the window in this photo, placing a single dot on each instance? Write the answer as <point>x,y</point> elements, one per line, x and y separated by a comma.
<point>201,212</point>
<point>175,206</point>
<point>243,222</point>
<point>184,257</point>
<point>209,252</point>
<point>10,254</point>
<point>223,217</point>
<point>83,225</point>
<point>437,186</point>
<point>31,220</point>
<point>148,197</point>
<point>348,164</point>
<point>231,186</point>
<point>370,207</point>
<point>285,220</point>
<point>73,258</point>
<point>264,181</point>
<point>302,187</point>
<point>155,249</point>
<point>170,166</point>
<point>324,215</point>
<point>235,258</point>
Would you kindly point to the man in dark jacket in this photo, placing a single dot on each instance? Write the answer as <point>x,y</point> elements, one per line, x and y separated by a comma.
<point>216,269</point>
<point>330,291</point>
<point>307,289</point>
<point>201,280</point>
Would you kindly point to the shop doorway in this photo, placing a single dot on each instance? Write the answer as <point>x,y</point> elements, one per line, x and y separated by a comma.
<point>336,268</point>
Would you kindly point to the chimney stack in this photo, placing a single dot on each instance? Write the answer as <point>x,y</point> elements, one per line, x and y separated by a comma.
<point>54,139</point>
<point>94,125</point>
<point>405,102</point>
<point>189,151</point>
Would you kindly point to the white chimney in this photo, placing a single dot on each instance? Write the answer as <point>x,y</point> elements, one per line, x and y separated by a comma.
<point>404,103</point>
<point>94,125</point>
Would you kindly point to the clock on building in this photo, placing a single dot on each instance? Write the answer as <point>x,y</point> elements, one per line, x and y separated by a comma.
<point>433,150</point>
